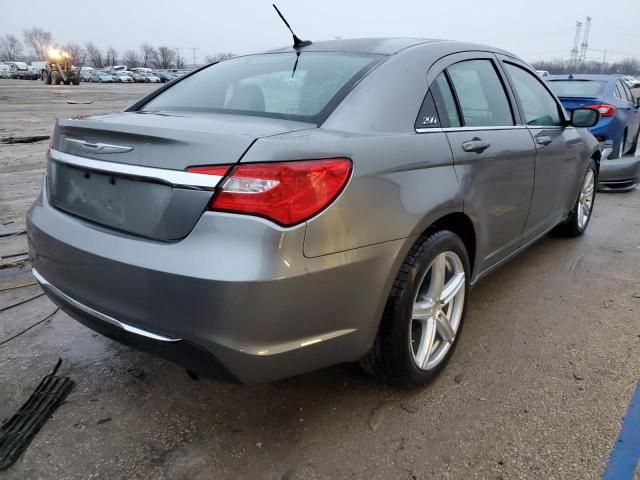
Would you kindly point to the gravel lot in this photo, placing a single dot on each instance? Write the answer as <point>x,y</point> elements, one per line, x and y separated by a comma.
<point>537,388</point>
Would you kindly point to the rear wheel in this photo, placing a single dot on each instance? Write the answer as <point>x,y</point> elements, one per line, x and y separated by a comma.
<point>620,149</point>
<point>578,221</point>
<point>634,147</point>
<point>423,316</point>
<point>76,80</point>
<point>47,78</point>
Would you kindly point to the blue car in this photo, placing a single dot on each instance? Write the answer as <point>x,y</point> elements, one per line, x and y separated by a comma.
<point>619,124</point>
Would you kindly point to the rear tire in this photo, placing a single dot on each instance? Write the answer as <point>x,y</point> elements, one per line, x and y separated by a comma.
<point>576,223</point>
<point>415,311</point>
<point>634,147</point>
<point>76,81</point>
<point>620,150</point>
<point>56,78</point>
<point>47,78</point>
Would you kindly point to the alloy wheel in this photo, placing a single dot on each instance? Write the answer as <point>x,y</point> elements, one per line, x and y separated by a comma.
<point>585,202</point>
<point>437,310</point>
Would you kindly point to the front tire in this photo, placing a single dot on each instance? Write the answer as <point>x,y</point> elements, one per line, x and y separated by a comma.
<point>578,220</point>
<point>423,317</point>
<point>56,78</point>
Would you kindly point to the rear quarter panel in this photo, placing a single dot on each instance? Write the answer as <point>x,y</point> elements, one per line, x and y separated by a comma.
<point>400,184</point>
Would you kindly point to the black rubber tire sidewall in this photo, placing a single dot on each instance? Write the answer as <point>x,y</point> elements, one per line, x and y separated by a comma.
<point>400,367</point>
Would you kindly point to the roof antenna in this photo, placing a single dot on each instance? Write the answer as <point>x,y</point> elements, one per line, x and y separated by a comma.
<point>297,43</point>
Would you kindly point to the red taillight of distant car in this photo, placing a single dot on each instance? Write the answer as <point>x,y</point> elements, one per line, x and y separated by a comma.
<point>605,109</point>
<point>285,192</point>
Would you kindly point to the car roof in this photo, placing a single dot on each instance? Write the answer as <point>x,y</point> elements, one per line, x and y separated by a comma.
<point>384,45</point>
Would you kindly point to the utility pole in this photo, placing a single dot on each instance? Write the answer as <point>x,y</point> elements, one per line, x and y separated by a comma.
<point>576,40</point>
<point>585,41</point>
<point>604,59</point>
<point>194,50</point>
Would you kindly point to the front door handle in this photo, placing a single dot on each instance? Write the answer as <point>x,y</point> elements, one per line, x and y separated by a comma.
<point>475,145</point>
<point>543,140</point>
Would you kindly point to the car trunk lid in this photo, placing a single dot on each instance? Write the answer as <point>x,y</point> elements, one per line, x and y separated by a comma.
<point>571,103</point>
<point>126,171</point>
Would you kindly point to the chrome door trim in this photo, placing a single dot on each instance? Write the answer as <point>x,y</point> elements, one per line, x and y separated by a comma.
<point>175,178</point>
<point>94,313</point>
<point>471,129</point>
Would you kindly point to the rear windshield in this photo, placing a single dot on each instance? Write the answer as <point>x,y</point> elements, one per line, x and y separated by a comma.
<point>304,87</point>
<point>577,88</point>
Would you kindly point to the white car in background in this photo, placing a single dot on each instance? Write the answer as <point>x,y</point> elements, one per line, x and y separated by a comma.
<point>124,78</point>
<point>542,73</point>
<point>151,78</point>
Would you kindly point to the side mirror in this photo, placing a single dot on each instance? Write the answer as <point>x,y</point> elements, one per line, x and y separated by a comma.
<point>584,117</point>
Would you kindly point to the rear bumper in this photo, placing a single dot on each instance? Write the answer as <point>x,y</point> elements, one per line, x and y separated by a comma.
<point>620,175</point>
<point>237,291</point>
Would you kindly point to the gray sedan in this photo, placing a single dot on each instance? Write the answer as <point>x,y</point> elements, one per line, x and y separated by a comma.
<point>277,213</point>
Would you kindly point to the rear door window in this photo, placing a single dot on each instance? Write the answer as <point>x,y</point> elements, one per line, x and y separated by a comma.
<point>627,92</point>
<point>538,105</point>
<point>481,95</point>
<point>445,101</point>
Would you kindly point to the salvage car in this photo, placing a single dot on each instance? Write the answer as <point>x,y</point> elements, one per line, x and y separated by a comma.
<point>277,213</point>
<point>151,78</point>
<point>101,77</point>
<point>618,129</point>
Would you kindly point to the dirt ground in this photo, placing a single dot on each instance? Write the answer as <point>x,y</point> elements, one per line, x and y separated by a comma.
<point>537,388</point>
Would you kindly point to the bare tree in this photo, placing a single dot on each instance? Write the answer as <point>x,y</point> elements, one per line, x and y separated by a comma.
<point>38,39</point>
<point>218,57</point>
<point>627,66</point>
<point>76,52</point>
<point>179,60</point>
<point>94,55</point>
<point>164,57</point>
<point>130,58</point>
<point>10,48</point>
<point>147,54</point>
<point>112,56</point>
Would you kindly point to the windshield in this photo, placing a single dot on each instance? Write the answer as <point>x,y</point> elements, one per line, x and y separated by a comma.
<point>577,88</point>
<point>304,87</point>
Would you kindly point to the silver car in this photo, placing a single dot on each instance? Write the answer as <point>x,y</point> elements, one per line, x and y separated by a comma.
<point>277,213</point>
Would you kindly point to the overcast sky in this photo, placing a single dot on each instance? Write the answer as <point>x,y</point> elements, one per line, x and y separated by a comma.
<point>531,29</point>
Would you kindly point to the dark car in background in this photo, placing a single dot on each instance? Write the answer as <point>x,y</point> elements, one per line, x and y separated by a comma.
<point>277,213</point>
<point>619,126</point>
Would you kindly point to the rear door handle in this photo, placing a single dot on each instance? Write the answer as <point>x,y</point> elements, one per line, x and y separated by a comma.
<point>476,145</point>
<point>543,140</point>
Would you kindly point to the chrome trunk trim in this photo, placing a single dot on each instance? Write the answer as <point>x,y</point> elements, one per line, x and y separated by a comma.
<point>175,178</point>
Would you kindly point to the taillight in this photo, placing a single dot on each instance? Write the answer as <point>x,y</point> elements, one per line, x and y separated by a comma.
<point>605,109</point>
<point>284,192</point>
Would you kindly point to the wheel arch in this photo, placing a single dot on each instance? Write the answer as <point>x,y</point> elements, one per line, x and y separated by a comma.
<point>460,224</point>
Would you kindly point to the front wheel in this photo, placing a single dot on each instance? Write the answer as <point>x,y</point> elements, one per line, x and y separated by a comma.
<point>424,313</point>
<point>578,220</point>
